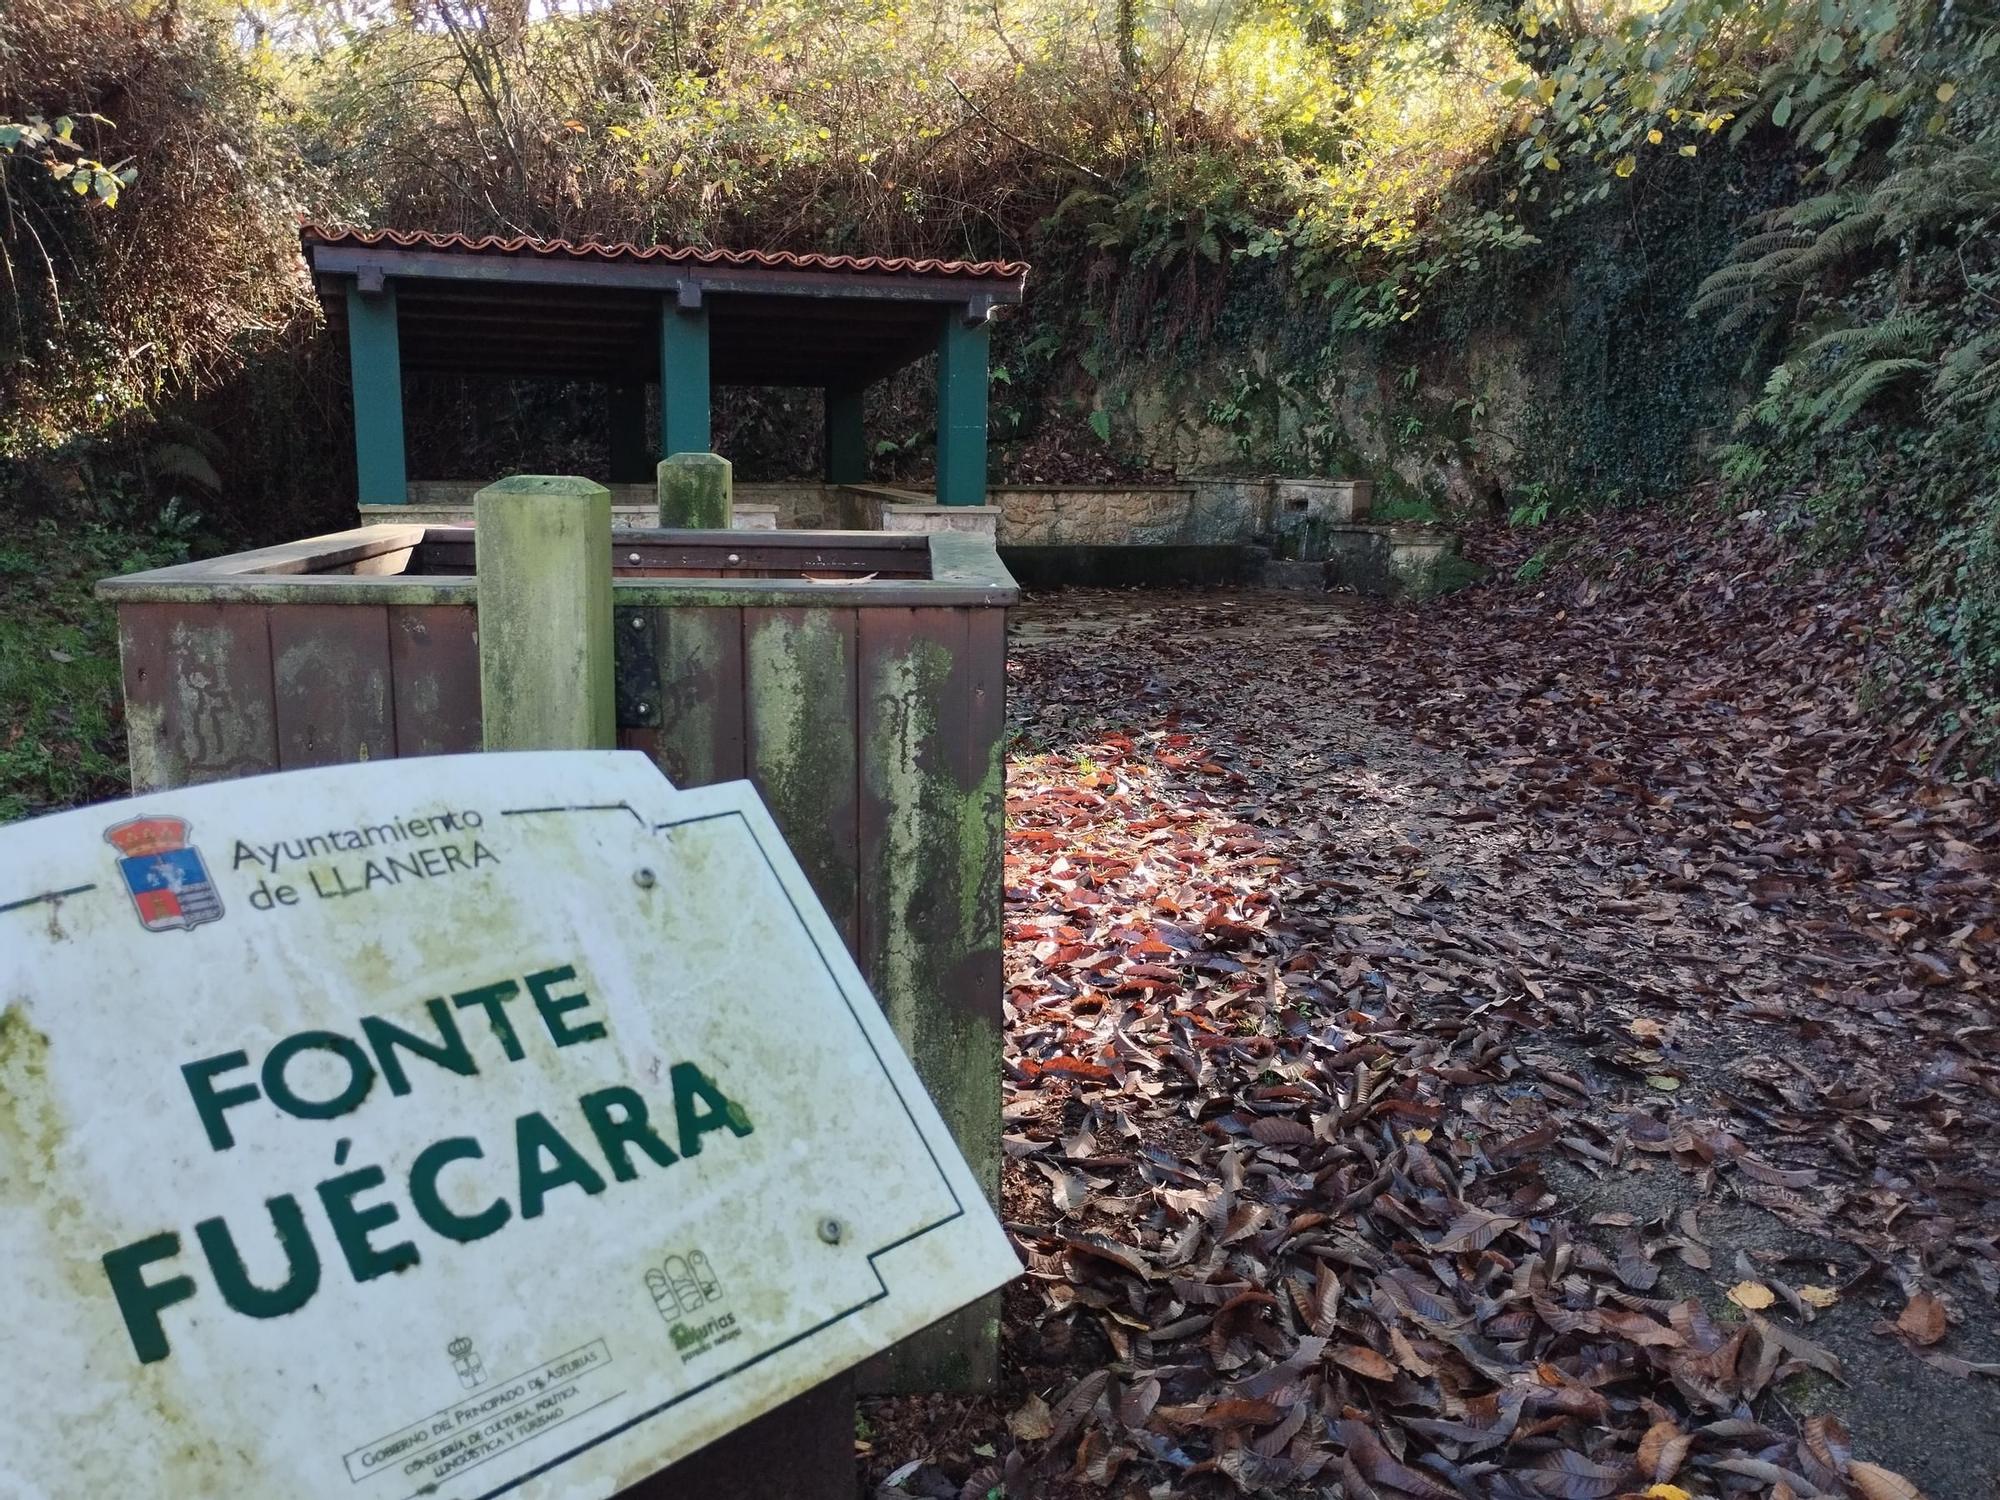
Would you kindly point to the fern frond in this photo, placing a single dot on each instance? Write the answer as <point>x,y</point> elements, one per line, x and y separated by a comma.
<point>1900,333</point>
<point>1842,402</point>
<point>1970,374</point>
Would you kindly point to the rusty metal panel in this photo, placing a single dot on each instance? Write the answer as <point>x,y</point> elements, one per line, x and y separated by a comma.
<point>331,674</point>
<point>198,700</point>
<point>434,666</point>
<point>800,726</point>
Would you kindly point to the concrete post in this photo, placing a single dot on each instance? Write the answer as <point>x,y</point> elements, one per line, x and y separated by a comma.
<point>375,360</point>
<point>695,491</point>
<point>542,554</point>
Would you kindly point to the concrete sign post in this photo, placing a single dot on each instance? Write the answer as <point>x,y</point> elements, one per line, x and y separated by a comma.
<point>464,1127</point>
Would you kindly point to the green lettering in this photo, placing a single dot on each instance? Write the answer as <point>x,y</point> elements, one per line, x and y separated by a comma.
<point>232,1279</point>
<point>360,1075</point>
<point>699,1107</point>
<point>631,1129</point>
<point>209,1103</point>
<point>352,1226</point>
<point>141,1302</point>
<point>448,1051</point>
<point>430,1204</point>
<point>493,999</point>
<point>533,1134</point>
<point>555,1007</point>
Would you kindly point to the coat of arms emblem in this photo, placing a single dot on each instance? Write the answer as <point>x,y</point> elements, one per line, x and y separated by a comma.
<point>170,884</point>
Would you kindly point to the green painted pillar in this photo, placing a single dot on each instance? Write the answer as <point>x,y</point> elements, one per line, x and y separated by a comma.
<point>376,361</point>
<point>846,437</point>
<point>961,427</point>
<point>683,379</point>
<point>631,454</point>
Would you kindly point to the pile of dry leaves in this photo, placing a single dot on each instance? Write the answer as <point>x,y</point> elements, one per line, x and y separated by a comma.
<point>1462,1051</point>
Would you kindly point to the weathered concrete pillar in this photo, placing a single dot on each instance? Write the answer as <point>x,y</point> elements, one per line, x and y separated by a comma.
<point>542,554</point>
<point>695,491</point>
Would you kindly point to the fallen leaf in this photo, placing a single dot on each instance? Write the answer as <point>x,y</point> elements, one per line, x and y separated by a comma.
<point>1363,1361</point>
<point>1877,1483</point>
<point>1923,1320</point>
<point>1031,1421</point>
<point>1752,1294</point>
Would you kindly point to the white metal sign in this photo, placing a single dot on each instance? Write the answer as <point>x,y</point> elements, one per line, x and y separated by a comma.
<point>504,1124</point>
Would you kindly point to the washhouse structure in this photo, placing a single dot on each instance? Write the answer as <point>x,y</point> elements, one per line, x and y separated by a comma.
<point>627,316</point>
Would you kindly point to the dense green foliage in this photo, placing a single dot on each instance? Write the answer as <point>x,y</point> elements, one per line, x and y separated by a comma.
<point>1745,238</point>
<point>59,661</point>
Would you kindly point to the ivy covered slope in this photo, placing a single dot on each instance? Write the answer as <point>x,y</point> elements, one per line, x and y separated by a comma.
<point>1878,297</point>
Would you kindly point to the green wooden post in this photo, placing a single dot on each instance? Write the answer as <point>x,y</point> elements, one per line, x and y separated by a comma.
<point>542,555</point>
<point>625,408</point>
<point>683,379</point>
<point>695,491</point>
<point>376,362</point>
<point>961,425</point>
<point>846,436</point>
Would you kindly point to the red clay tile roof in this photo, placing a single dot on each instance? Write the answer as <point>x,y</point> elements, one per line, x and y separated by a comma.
<point>600,250</point>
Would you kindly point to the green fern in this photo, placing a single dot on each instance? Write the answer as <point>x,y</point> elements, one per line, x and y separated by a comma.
<point>1841,402</point>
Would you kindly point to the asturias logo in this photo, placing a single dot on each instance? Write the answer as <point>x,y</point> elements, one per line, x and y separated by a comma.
<point>684,1285</point>
<point>170,884</point>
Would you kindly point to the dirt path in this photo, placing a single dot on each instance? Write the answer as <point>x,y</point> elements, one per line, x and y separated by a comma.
<point>1404,1112</point>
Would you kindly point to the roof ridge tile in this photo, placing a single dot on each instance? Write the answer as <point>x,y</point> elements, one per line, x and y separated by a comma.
<point>617,250</point>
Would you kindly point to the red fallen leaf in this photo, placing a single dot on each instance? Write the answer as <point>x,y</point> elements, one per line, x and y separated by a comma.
<point>1275,1131</point>
<point>1102,1249</point>
<point>1876,1483</point>
<point>1474,1230</point>
<point>1571,1476</point>
<point>1639,1328</point>
<point>1236,1413</point>
<point>1662,1451</point>
<point>1824,1450</point>
<point>1366,1453</point>
<point>1923,1319</point>
<point>1075,1067</point>
<point>1363,1361</point>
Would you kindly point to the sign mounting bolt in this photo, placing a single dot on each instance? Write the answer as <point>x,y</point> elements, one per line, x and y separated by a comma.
<point>832,1230</point>
<point>644,878</point>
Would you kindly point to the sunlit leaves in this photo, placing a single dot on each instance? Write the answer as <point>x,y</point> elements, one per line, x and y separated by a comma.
<point>55,147</point>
